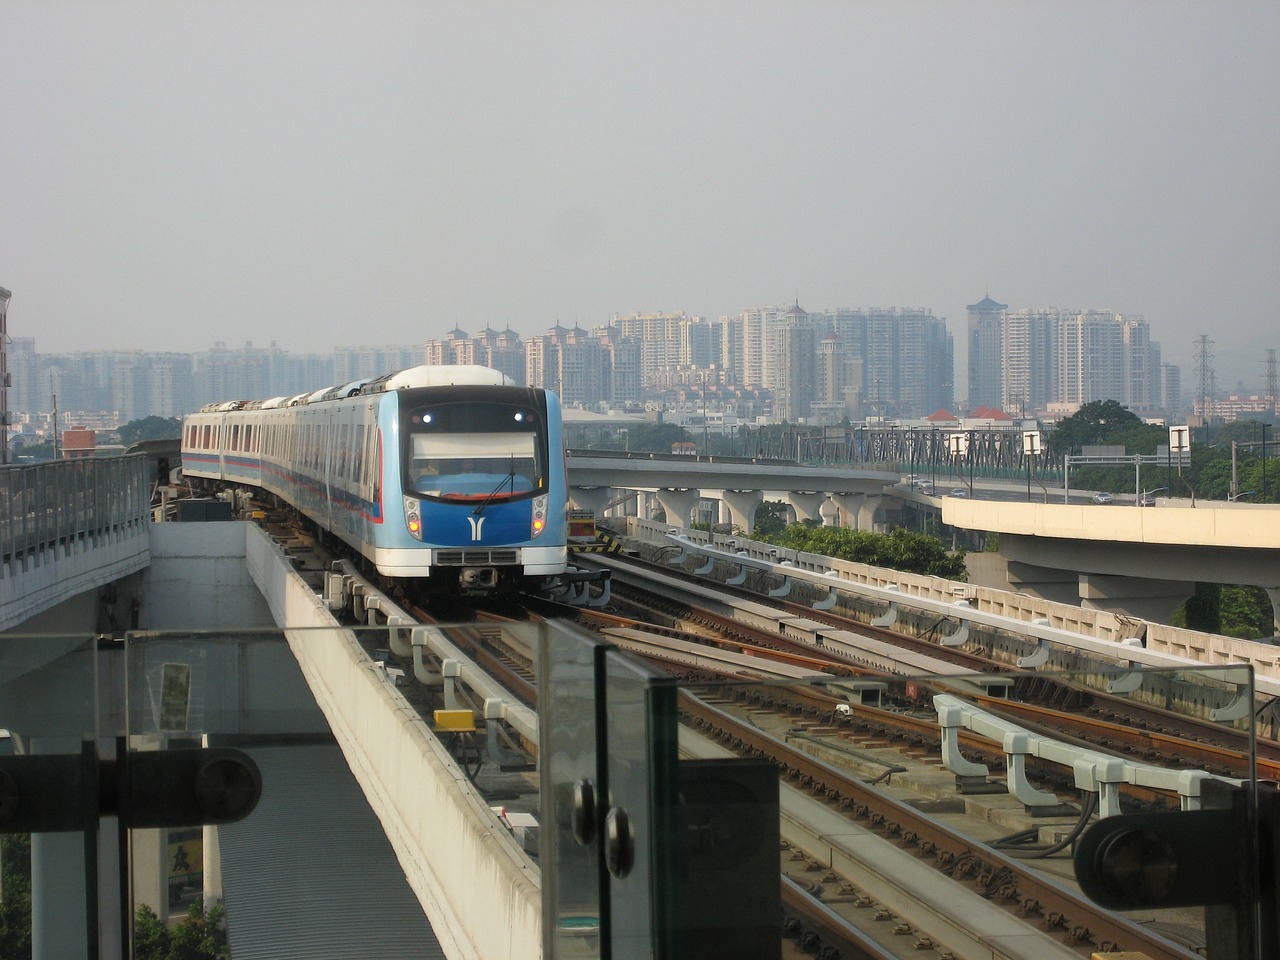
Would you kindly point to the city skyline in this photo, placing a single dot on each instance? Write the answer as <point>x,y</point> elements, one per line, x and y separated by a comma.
<point>767,364</point>
<point>179,175</point>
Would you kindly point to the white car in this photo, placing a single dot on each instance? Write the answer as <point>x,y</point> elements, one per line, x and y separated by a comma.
<point>959,492</point>
<point>1102,497</point>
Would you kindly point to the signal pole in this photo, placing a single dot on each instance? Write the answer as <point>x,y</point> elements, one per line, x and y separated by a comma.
<point>4,375</point>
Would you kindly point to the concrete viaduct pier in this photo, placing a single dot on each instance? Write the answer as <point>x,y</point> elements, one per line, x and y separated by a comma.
<point>676,484</point>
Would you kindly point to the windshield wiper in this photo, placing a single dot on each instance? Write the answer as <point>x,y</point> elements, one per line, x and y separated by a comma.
<point>510,478</point>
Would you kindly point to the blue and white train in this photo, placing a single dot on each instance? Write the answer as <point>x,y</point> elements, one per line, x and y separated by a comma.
<point>448,473</point>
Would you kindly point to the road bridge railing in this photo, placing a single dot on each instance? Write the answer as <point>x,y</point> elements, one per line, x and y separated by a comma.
<point>44,506</point>
<point>1093,772</point>
<point>67,527</point>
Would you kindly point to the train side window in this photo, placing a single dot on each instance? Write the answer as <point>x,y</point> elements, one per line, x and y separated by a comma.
<point>344,433</point>
<point>357,448</point>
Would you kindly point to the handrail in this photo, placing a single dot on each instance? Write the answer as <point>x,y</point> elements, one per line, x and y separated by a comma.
<point>58,502</point>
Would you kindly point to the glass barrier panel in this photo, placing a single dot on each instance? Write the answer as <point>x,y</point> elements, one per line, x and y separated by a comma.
<point>940,808</point>
<point>570,711</point>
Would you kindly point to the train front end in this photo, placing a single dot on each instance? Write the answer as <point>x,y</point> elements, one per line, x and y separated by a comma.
<point>482,484</point>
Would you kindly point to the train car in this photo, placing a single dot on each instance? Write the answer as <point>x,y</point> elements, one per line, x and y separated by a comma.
<point>452,474</point>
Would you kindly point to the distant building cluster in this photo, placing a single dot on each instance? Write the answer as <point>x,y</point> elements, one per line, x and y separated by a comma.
<point>770,364</point>
<point>1051,361</point>
<point>762,365</point>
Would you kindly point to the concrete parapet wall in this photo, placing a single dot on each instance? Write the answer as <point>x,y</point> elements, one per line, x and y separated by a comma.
<point>1097,624</point>
<point>480,892</point>
<point>1210,525</point>
<point>52,575</point>
<point>198,579</point>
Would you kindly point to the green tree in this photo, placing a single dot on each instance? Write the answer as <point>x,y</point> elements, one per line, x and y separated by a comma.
<point>200,936</point>
<point>900,550</point>
<point>770,520</point>
<point>151,428</point>
<point>150,938</point>
<point>1104,423</point>
<point>1246,613</point>
<point>15,896</point>
<point>1203,611</point>
<point>658,437</point>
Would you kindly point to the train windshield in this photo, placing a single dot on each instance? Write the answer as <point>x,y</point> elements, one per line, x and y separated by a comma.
<point>474,452</point>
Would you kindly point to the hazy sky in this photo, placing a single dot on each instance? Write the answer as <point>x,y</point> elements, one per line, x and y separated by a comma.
<point>323,173</point>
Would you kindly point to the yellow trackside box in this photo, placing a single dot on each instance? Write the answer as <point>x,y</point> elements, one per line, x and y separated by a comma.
<point>455,721</point>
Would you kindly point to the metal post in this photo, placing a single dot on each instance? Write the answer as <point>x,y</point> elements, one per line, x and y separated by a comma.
<point>4,376</point>
<point>970,464</point>
<point>1264,464</point>
<point>1235,477</point>
<point>933,457</point>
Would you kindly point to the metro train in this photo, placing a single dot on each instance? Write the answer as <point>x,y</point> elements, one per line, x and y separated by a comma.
<point>452,474</point>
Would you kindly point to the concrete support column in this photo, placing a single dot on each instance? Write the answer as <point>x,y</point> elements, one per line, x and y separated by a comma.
<point>1274,594</point>
<point>1135,596</point>
<point>589,498</point>
<point>806,505</point>
<point>830,513</point>
<point>867,512</point>
<point>677,504</point>
<point>742,507</point>
<point>848,508</point>
<point>1061,586</point>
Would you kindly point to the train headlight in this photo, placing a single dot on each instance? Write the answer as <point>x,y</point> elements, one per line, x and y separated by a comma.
<point>538,522</point>
<point>413,517</point>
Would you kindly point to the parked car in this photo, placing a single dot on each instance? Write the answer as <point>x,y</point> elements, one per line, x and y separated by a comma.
<point>1102,497</point>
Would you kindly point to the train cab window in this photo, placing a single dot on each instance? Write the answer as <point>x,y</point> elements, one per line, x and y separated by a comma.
<point>463,452</point>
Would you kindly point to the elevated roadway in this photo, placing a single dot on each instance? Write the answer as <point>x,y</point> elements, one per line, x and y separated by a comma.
<point>1143,561</point>
<point>678,483</point>
<point>1137,561</point>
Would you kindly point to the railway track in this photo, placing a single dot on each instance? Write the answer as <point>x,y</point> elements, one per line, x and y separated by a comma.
<point>1049,702</point>
<point>1038,904</point>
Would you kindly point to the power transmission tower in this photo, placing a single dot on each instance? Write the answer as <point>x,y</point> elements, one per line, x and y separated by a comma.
<point>1205,369</point>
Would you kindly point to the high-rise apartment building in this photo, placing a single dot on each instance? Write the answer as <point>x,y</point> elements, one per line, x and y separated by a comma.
<point>1026,361</point>
<point>571,363</point>
<point>666,340</point>
<point>986,353</point>
<point>907,358</point>
<point>1065,358</point>
<point>838,388</point>
<point>794,355</point>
